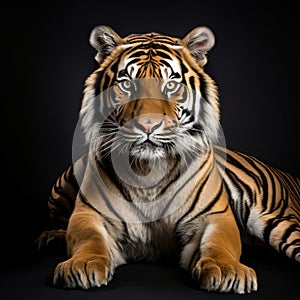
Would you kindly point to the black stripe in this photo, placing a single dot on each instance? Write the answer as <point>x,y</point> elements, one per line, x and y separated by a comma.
<point>70,178</point>
<point>283,185</point>
<point>195,201</point>
<point>242,208</point>
<point>109,170</point>
<point>234,206</point>
<point>192,83</point>
<point>235,162</point>
<point>203,86</point>
<point>64,204</point>
<point>59,191</point>
<point>163,55</point>
<point>228,192</point>
<point>136,60</point>
<point>292,243</point>
<point>271,224</point>
<point>172,181</point>
<point>184,71</point>
<point>181,187</point>
<point>132,49</point>
<point>211,204</point>
<point>220,211</point>
<point>263,178</point>
<point>295,252</point>
<point>288,231</point>
<point>106,82</point>
<point>86,202</point>
<point>151,39</point>
<point>75,276</point>
<point>288,182</point>
<point>272,200</point>
<point>88,275</point>
<point>114,67</point>
<point>166,64</point>
<point>105,200</point>
<point>138,54</point>
<point>163,47</point>
<point>96,86</point>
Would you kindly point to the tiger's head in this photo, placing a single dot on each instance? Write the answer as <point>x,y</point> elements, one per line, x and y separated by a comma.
<point>150,96</point>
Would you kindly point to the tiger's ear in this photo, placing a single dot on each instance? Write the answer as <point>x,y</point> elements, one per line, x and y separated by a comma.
<point>199,41</point>
<point>104,40</point>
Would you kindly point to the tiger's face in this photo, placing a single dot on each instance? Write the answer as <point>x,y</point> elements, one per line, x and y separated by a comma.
<point>155,100</point>
<point>148,115</point>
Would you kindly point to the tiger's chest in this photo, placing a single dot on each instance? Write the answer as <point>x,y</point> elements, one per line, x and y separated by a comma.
<point>149,241</point>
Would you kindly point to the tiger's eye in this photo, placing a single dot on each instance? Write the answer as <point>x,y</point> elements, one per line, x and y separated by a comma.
<point>171,85</point>
<point>125,85</point>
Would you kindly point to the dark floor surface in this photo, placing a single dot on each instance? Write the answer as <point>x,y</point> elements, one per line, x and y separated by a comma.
<point>30,278</point>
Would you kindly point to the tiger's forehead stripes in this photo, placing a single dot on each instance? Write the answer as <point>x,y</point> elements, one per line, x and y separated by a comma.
<point>151,37</point>
<point>151,57</point>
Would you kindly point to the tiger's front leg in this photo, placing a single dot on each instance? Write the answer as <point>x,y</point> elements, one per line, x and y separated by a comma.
<point>93,253</point>
<point>213,257</point>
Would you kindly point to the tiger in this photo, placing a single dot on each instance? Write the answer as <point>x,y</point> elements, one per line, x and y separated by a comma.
<point>154,182</point>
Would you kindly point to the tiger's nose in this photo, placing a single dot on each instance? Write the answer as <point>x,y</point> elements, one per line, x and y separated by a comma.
<point>147,124</point>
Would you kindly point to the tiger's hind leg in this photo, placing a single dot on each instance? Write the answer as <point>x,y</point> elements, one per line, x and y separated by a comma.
<point>61,205</point>
<point>283,234</point>
<point>280,229</point>
<point>265,201</point>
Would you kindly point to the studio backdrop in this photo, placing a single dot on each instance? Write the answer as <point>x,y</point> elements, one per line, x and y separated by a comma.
<point>47,58</point>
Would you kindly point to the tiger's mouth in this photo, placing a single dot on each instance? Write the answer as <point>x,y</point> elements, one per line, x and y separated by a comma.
<point>148,150</point>
<point>148,145</point>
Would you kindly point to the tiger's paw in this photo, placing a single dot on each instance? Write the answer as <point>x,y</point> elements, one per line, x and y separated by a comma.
<point>52,241</point>
<point>88,272</point>
<point>220,277</point>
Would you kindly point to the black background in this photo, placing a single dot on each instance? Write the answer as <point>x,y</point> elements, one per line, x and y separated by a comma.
<point>47,57</point>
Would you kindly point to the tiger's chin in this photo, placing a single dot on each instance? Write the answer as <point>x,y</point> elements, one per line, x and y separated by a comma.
<point>148,151</point>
